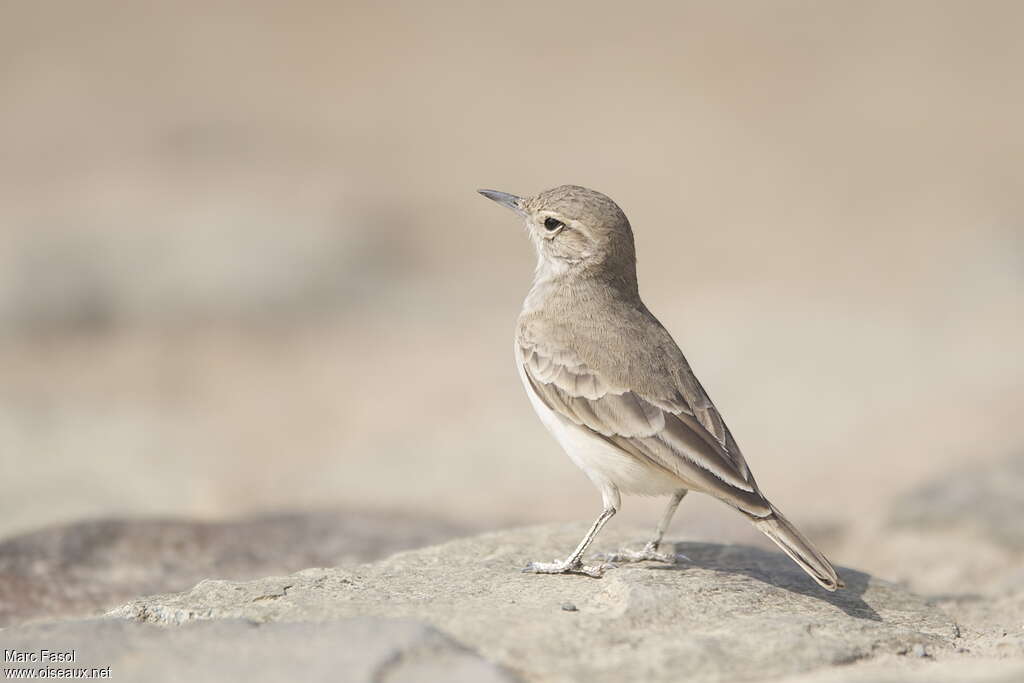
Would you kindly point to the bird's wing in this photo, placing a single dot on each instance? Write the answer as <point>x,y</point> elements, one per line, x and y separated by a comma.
<point>680,432</point>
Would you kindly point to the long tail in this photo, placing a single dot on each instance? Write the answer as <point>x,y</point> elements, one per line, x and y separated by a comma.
<point>796,545</point>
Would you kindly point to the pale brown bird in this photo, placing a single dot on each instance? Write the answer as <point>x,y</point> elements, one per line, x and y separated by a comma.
<point>613,388</point>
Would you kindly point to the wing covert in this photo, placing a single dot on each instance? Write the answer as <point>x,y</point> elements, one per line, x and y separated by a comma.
<point>669,432</point>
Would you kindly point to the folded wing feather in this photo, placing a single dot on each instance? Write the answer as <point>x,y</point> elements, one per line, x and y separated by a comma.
<point>682,433</point>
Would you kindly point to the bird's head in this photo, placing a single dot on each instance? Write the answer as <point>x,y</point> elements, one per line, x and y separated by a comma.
<point>574,229</point>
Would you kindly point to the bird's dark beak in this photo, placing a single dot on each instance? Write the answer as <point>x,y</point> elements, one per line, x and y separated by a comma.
<point>505,199</point>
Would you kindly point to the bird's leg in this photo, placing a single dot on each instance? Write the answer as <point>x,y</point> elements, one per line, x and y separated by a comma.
<point>666,519</point>
<point>650,551</point>
<point>574,563</point>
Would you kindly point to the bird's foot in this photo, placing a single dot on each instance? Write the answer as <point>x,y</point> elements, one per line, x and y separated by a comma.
<point>566,567</point>
<point>648,554</point>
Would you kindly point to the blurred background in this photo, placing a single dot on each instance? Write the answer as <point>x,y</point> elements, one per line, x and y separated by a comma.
<point>244,270</point>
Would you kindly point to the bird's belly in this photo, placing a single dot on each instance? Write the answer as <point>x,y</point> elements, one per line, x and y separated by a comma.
<point>601,461</point>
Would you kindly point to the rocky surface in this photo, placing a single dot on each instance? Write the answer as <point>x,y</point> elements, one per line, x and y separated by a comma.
<point>90,567</point>
<point>919,670</point>
<point>362,649</point>
<point>463,610</point>
<point>728,614</point>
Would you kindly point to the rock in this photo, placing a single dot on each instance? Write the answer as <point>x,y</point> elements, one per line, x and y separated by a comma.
<point>731,613</point>
<point>359,649</point>
<point>89,567</point>
<point>890,670</point>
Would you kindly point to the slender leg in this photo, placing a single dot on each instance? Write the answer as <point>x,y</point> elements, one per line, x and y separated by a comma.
<point>666,519</point>
<point>574,563</point>
<point>650,551</point>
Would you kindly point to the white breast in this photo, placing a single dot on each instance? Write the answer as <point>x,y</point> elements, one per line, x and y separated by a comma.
<point>602,462</point>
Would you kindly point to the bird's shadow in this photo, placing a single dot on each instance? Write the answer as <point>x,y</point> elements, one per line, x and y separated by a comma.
<point>777,570</point>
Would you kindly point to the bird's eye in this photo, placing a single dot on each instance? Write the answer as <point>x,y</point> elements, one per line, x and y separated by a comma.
<point>552,224</point>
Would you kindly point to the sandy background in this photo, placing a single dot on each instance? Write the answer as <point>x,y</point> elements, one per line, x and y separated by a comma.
<point>243,268</point>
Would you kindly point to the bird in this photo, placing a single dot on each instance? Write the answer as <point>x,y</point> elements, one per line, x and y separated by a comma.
<point>611,385</point>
